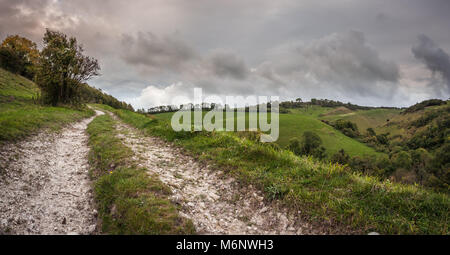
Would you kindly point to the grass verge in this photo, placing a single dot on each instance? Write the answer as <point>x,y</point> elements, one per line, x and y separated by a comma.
<point>20,116</point>
<point>129,200</point>
<point>19,120</point>
<point>323,192</point>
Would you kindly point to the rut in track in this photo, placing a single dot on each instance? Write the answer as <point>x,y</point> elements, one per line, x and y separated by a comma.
<point>214,202</point>
<point>44,184</point>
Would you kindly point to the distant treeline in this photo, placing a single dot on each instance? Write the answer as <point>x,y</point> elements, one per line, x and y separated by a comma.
<point>192,107</point>
<point>298,103</point>
<point>284,106</point>
<point>60,69</point>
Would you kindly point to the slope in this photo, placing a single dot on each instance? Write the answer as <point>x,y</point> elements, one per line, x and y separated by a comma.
<point>21,116</point>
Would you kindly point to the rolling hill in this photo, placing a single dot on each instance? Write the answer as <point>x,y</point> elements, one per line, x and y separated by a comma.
<point>327,193</point>
<point>295,123</point>
<point>374,118</point>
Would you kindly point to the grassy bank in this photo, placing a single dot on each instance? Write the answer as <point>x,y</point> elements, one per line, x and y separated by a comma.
<point>323,192</point>
<point>129,200</point>
<point>20,116</point>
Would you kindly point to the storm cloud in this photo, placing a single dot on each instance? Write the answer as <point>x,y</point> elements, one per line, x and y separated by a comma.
<point>343,61</point>
<point>225,63</point>
<point>151,51</point>
<point>434,58</point>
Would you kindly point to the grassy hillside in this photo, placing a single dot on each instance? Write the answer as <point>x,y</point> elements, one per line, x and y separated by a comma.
<point>374,118</point>
<point>294,124</point>
<point>21,116</point>
<point>323,192</point>
<point>401,124</point>
<point>398,123</point>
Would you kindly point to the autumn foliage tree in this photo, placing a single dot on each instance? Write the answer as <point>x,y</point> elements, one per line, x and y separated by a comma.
<point>19,55</point>
<point>62,68</point>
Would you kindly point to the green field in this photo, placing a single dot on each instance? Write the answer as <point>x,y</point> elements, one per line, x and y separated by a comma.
<point>21,116</point>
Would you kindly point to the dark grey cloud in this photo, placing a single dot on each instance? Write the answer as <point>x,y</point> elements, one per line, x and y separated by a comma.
<point>344,61</point>
<point>22,16</point>
<point>434,58</point>
<point>266,71</point>
<point>148,50</point>
<point>285,47</point>
<point>225,63</point>
<point>171,54</point>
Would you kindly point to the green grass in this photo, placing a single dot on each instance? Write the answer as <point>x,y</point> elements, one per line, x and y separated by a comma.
<point>20,116</point>
<point>15,87</point>
<point>323,192</point>
<point>130,201</point>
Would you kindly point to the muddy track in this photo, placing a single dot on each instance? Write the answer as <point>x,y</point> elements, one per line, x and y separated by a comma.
<point>44,184</point>
<point>214,202</point>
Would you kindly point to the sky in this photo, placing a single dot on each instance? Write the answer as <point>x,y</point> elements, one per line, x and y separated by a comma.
<point>375,53</point>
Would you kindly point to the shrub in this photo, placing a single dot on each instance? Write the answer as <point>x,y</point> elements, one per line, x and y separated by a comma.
<point>371,132</point>
<point>309,146</point>
<point>295,146</point>
<point>340,157</point>
<point>348,128</point>
<point>402,159</point>
<point>311,141</point>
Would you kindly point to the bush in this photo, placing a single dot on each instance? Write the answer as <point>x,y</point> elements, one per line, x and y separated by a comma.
<point>371,132</point>
<point>348,128</point>
<point>311,141</point>
<point>383,139</point>
<point>402,159</point>
<point>340,157</point>
<point>295,146</point>
<point>309,146</point>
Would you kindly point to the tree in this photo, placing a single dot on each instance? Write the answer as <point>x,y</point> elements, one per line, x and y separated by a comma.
<point>402,159</point>
<point>10,61</point>
<point>19,55</point>
<point>63,67</point>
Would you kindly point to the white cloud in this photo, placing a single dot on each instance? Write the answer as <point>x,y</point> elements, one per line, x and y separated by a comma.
<point>174,94</point>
